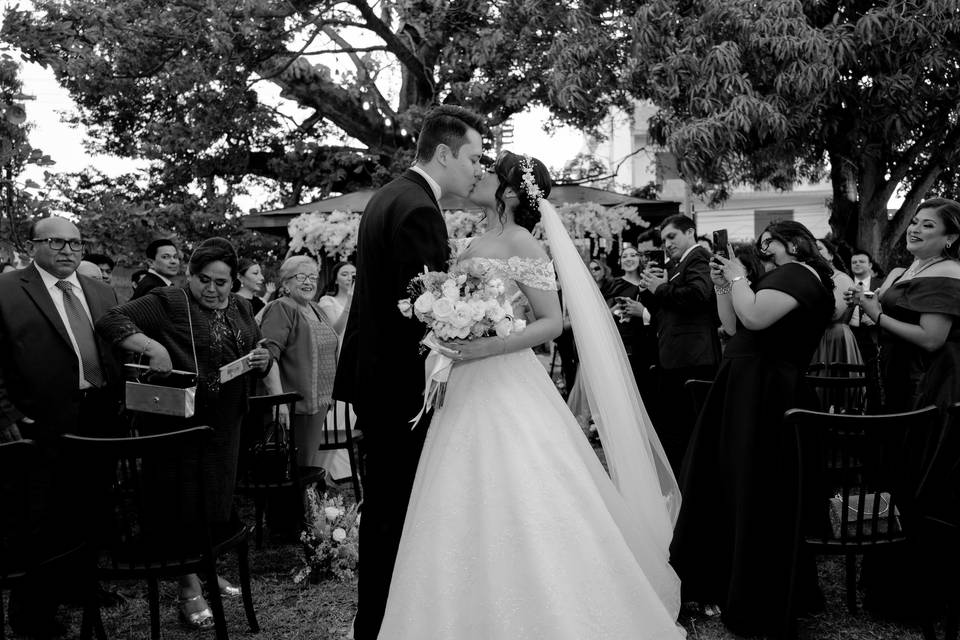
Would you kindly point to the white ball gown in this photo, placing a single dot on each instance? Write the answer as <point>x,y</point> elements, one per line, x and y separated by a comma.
<point>514,529</point>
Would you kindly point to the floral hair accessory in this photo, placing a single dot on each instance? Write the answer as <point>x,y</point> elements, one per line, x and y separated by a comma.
<point>534,195</point>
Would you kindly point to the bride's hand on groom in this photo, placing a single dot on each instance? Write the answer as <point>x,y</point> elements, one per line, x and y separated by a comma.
<point>461,350</point>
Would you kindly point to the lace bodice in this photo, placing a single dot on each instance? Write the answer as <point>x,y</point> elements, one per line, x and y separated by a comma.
<point>536,273</point>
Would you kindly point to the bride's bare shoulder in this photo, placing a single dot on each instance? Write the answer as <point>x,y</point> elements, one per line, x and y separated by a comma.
<point>523,245</point>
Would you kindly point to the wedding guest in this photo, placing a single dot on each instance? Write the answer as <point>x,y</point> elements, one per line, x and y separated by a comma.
<point>864,331</point>
<point>732,542</point>
<point>838,344</point>
<point>601,275</point>
<point>56,376</point>
<point>105,262</point>
<point>916,310</point>
<point>163,259</point>
<point>166,325</point>
<point>249,285</point>
<point>633,320</point>
<point>304,343</point>
<point>90,270</point>
<point>682,299</point>
<point>338,294</point>
<point>706,243</point>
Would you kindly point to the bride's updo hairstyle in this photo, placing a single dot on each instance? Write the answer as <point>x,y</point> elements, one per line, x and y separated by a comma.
<point>530,179</point>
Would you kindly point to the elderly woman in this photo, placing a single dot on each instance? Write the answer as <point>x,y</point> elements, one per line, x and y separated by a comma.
<point>300,337</point>
<point>731,545</point>
<point>165,326</point>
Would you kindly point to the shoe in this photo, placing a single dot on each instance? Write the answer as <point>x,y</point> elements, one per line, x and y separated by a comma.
<point>227,590</point>
<point>201,619</point>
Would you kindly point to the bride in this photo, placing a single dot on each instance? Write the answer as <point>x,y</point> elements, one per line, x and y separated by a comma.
<point>514,529</point>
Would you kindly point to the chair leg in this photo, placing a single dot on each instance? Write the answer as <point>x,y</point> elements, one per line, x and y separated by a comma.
<point>259,503</point>
<point>851,582</point>
<point>153,599</point>
<point>215,600</point>
<point>243,563</point>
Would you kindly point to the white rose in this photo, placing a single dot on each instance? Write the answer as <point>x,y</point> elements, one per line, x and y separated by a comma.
<point>451,290</point>
<point>405,307</point>
<point>424,303</point>
<point>508,309</point>
<point>331,513</point>
<point>461,279</point>
<point>442,309</point>
<point>519,325</point>
<point>477,310</point>
<point>503,327</point>
<point>495,312</point>
<point>339,534</point>
<point>462,332</point>
<point>494,287</point>
<point>462,315</point>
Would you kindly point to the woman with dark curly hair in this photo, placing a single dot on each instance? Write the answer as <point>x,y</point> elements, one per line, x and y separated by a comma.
<point>731,545</point>
<point>514,529</point>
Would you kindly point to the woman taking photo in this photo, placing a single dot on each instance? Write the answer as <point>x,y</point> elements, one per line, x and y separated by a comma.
<point>165,326</point>
<point>732,542</point>
<point>633,319</point>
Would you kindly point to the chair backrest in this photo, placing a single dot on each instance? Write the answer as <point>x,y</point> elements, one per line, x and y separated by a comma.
<point>338,427</point>
<point>268,455</point>
<point>857,469</point>
<point>697,390</point>
<point>18,520</point>
<point>153,514</point>
<point>843,392</point>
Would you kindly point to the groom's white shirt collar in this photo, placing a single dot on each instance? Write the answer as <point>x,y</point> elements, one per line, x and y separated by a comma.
<point>434,185</point>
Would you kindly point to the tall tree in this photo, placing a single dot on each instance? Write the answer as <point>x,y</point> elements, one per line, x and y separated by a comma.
<point>775,92</point>
<point>180,83</point>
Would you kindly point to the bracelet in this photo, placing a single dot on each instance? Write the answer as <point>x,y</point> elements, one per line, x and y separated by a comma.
<point>722,291</point>
<point>737,279</point>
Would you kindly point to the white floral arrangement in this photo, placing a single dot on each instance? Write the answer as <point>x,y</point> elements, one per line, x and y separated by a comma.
<point>330,538</point>
<point>590,219</point>
<point>464,224</point>
<point>464,303</point>
<point>333,234</point>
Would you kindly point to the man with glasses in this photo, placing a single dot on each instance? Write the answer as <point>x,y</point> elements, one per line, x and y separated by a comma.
<point>163,259</point>
<point>56,376</point>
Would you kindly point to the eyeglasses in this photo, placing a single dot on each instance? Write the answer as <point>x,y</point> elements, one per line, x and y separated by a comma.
<point>57,244</point>
<point>302,277</point>
<point>765,243</point>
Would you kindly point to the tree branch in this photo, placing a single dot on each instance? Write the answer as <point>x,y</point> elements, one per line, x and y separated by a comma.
<point>363,74</point>
<point>598,178</point>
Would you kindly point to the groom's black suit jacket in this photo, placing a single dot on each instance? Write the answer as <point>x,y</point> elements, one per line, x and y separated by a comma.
<point>381,369</point>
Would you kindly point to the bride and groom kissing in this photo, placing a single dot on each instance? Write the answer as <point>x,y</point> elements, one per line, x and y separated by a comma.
<point>493,517</point>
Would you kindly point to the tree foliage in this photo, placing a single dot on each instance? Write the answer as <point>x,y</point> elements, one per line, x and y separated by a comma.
<point>182,83</point>
<point>780,91</point>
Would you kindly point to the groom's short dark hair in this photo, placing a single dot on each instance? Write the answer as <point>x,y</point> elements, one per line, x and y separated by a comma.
<point>447,125</point>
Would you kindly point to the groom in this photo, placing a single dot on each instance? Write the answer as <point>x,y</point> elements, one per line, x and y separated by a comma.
<point>381,370</point>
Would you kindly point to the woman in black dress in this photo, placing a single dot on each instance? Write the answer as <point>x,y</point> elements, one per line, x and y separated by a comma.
<point>731,546</point>
<point>633,320</point>
<point>916,310</point>
<point>222,329</point>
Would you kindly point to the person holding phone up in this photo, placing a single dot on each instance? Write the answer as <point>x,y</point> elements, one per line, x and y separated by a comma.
<point>682,300</point>
<point>633,319</point>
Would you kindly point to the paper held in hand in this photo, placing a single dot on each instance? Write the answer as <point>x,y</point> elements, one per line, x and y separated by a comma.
<point>236,368</point>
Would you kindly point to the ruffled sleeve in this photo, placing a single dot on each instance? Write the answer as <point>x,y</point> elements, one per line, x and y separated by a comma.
<point>535,273</point>
<point>931,295</point>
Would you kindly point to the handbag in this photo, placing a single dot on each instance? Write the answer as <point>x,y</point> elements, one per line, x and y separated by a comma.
<point>177,397</point>
<point>270,458</point>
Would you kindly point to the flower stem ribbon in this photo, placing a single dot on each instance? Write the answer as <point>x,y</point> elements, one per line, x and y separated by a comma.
<point>436,373</point>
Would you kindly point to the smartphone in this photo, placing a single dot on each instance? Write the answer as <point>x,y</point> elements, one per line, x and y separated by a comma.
<point>720,243</point>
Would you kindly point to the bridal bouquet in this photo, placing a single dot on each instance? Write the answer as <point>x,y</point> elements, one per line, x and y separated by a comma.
<point>463,303</point>
<point>329,539</point>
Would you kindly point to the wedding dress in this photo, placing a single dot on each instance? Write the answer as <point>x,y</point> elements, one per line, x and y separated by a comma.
<point>514,529</point>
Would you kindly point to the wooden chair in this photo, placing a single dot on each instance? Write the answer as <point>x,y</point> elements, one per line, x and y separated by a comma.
<point>841,387</point>
<point>153,522</point>
<point>851,471</point>
<point>339,432</point>
<point>283,478</point>
<point>26,543</point>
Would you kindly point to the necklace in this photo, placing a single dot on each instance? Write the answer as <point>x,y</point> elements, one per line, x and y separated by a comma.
<point>920,265</point>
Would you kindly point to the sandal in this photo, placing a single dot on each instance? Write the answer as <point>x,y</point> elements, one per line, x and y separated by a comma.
<point>227,590</point>
<point>199,619</point>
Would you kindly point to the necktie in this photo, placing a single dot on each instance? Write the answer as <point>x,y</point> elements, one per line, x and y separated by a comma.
<point>83,334</point>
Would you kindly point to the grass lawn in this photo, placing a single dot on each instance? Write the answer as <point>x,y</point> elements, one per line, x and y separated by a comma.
<point>324,611</point>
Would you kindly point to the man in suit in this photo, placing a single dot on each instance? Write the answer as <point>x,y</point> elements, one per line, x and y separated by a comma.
<point>863,328</point>
<point>163,259</point>
<point>381,370</point>
<point>56,376</point>
<point>684,304</point>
